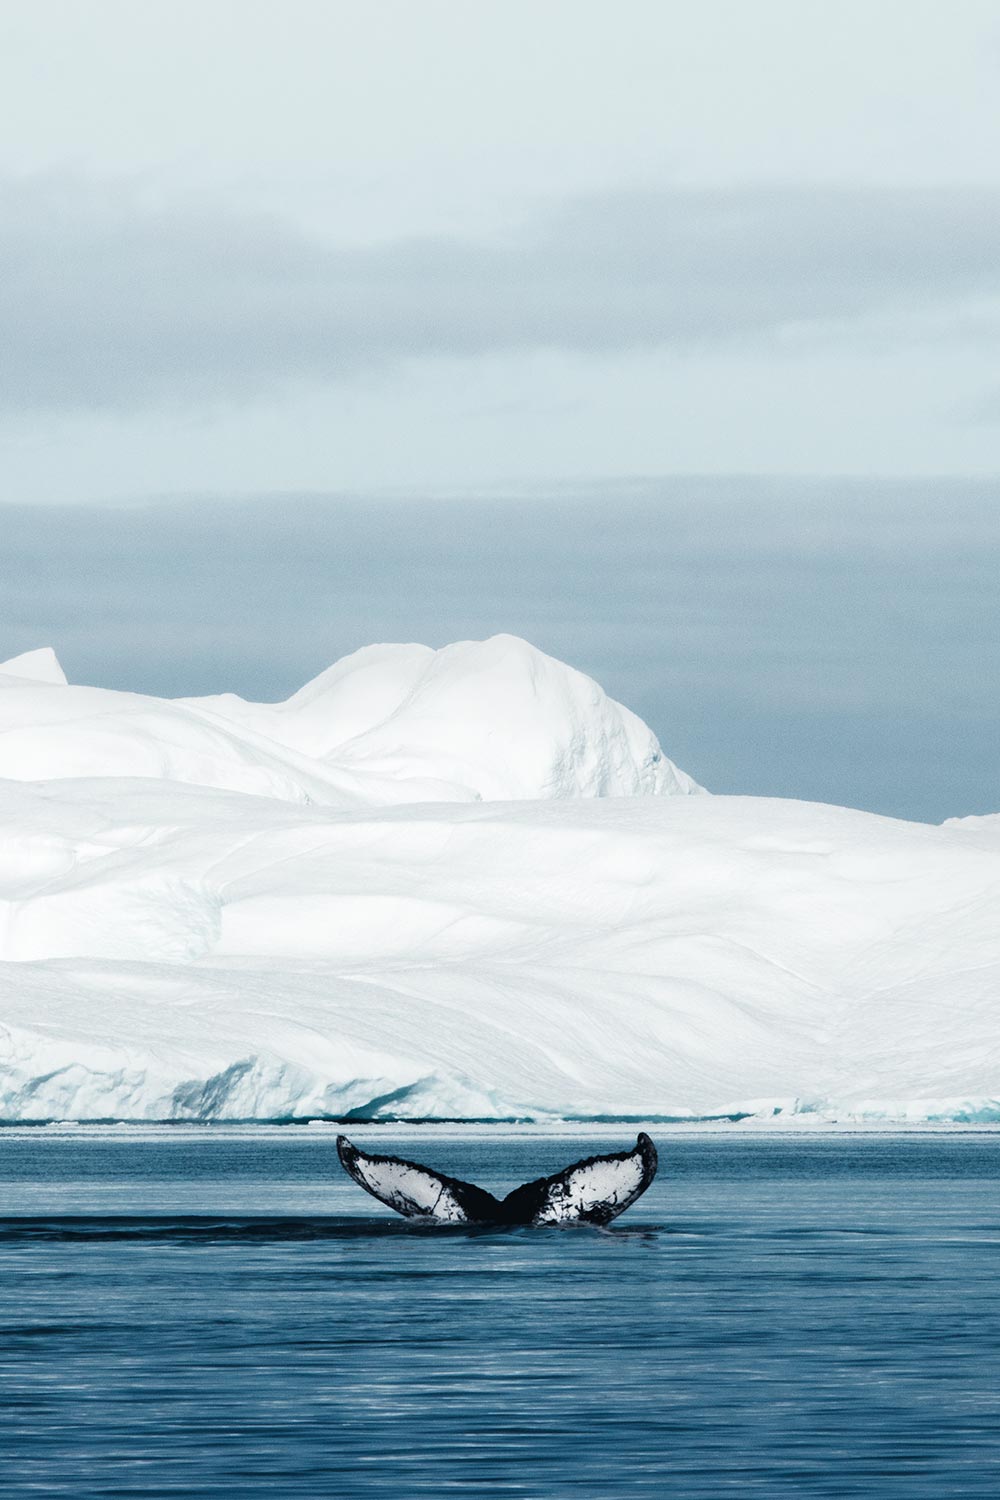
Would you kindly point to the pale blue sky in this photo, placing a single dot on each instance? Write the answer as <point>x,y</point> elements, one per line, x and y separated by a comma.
<point>320,245</point>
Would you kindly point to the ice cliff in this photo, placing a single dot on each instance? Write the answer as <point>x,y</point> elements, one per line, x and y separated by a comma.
<point>462,884</point>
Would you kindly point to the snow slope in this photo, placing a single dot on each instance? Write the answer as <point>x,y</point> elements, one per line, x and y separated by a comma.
<point>482,719</point>
<point>461,884</point>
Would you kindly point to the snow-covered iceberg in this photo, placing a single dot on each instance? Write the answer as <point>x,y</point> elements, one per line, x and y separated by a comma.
<point>462,884</point>
<point>492,719</point>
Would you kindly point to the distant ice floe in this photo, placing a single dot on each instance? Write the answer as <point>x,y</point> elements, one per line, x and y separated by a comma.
<point>465,885</point>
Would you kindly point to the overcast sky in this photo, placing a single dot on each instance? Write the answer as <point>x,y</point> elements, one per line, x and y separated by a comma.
<point>325,245</point>
<point>501,248</point>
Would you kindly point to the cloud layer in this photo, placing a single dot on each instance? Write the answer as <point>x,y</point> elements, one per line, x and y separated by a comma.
<point>111,301</point>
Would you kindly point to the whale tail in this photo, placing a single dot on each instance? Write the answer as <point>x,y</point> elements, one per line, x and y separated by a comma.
<point>593,1191</point>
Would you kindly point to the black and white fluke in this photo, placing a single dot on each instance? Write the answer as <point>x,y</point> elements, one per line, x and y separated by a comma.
<point>593,1191</point>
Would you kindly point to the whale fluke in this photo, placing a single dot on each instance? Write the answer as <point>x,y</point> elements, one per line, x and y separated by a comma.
<point>593,1191</point>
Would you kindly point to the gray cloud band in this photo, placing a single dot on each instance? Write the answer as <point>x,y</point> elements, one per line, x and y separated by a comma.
<point>106,302</point>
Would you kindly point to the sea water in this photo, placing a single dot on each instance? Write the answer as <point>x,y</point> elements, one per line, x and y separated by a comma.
<point>221,1312</point>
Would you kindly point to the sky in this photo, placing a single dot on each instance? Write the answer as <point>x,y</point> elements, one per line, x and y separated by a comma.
<point>317,245</point>
<point>540,284</point>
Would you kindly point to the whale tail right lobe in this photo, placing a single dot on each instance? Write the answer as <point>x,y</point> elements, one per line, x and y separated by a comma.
<point>593,1191</point>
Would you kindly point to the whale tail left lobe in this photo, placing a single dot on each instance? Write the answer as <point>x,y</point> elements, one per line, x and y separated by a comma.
<point>416,1191</point>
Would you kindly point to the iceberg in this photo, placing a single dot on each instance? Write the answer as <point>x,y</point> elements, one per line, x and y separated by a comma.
<point>463,885</point>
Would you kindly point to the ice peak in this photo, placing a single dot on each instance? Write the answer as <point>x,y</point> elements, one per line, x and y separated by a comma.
<point>496,719</point>
<point>40,665</point>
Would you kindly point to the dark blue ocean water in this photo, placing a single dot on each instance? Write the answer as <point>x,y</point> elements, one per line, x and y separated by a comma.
<point>205,1313</point>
